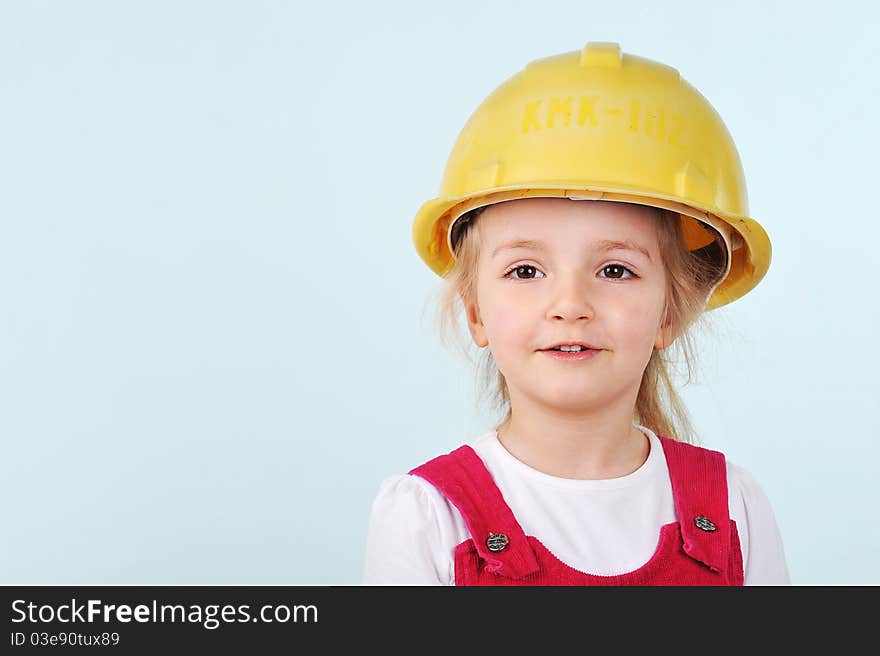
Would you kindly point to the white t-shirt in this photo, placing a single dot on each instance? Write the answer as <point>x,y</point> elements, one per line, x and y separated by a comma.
<point>604,527</point>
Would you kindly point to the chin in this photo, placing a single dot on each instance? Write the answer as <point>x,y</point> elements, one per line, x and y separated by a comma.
<point>572,401</point>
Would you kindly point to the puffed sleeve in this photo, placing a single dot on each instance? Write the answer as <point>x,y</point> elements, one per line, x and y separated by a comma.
<point>763,552</point>
<point>409,535</point>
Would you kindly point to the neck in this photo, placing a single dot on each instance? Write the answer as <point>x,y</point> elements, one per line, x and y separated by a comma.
<point>596,444</point>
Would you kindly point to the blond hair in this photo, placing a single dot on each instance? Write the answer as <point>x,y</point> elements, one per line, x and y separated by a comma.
<point>690,277</point>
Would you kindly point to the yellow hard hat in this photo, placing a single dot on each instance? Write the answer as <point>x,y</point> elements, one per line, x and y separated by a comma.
<point>600,124</point>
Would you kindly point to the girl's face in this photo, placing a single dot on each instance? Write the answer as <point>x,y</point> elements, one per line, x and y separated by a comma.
<point>575,282</point>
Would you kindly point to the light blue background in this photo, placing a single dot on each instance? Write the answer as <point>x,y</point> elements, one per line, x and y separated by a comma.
<point>216,338</point>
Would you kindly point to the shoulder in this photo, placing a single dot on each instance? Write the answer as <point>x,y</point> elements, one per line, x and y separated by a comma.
<point>688,450</point>
<point>763,554</point>
<point>406,494</point>
<point>411,533</point>
<point>747,497</point>
<point>742,484</point>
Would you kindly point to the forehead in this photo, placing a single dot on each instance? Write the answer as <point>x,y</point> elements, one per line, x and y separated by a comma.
<point>561,220</point>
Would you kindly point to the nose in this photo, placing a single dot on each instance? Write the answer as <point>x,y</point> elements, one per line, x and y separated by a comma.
<point>570,298</point>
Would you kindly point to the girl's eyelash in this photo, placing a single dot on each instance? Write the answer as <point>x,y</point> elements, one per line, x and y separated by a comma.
<point>518,266</point>
<point>613,264</point>
<point>622,266</point>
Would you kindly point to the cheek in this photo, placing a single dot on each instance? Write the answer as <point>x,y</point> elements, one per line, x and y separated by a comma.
<point>507,323</point>
<point>637,322</point>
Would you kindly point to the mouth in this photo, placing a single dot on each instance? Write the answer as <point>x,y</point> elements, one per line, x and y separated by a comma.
<point>574,355</point>
<point>571,347</point>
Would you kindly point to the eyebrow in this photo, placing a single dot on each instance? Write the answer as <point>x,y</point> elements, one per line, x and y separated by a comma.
<point>603,245</point>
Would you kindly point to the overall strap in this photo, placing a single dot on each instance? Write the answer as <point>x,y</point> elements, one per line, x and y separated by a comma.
<point>699,486</point>
<point>499,539</point>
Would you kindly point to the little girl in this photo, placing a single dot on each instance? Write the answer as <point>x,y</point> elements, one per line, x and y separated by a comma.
<point>592,209</point>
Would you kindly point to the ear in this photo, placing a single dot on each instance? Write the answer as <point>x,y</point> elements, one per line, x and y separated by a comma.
<point>664,336</point>
<point>475,324</point>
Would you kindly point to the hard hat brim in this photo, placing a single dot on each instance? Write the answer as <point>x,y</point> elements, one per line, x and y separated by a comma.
<point>746,242</point>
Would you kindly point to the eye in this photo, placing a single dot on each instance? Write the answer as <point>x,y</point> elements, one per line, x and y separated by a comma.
<point>521,267</point>
<point>618,268</point>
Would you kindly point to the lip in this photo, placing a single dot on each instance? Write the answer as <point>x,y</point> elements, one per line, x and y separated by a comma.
<point>582,344</point>
<point>579,356</point>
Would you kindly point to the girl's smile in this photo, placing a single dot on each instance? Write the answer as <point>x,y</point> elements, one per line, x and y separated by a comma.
<point>572,356</point>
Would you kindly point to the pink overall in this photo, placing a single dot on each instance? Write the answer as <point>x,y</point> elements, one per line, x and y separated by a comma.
<point>700,548</point>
